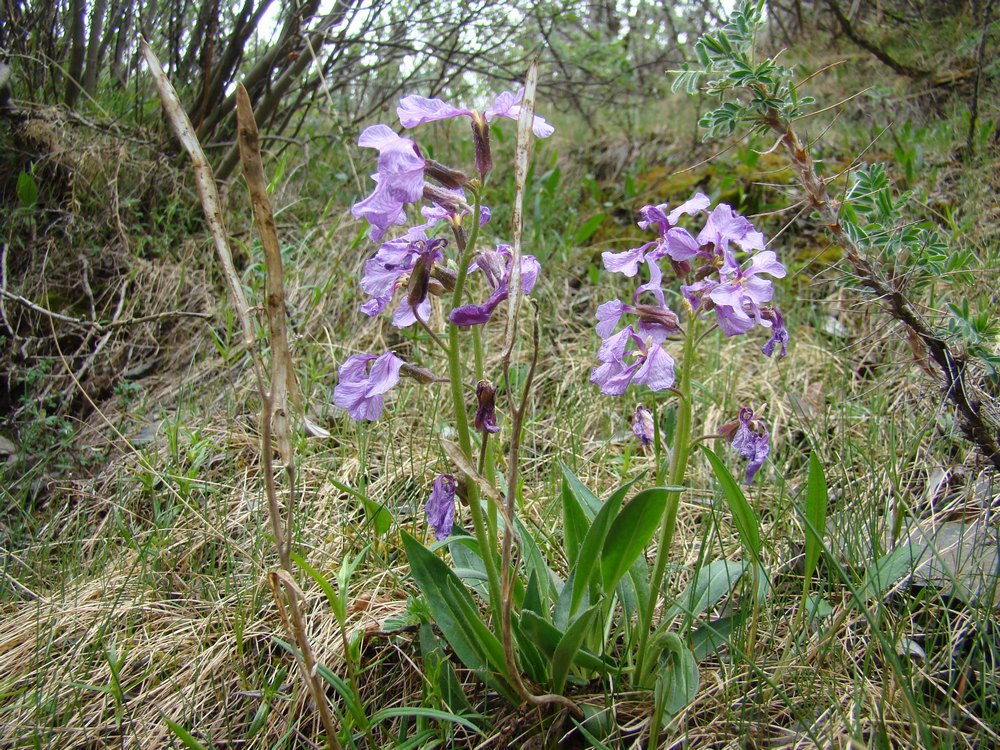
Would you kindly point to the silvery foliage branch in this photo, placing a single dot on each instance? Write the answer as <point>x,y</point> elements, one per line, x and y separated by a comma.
<point>892,259</point>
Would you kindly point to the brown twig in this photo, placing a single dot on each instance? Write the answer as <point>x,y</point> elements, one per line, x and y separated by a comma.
<point>522,155</point>
<point>973,424</point>
<point>274,411</point>
<point>275,419</point>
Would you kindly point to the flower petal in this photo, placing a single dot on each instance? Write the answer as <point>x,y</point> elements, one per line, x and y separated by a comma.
<point>416,110</point>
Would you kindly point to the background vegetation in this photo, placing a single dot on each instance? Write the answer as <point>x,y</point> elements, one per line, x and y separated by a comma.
<point>132,533</point>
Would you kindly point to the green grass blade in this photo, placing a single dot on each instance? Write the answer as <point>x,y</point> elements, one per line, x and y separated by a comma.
<point>186,738</point>
<point>815,515</point>
<point>743,515</point>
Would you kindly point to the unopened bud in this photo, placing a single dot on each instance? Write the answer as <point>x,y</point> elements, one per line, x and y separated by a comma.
<point>681,268</point>
<point>704,272</point>
<point>660,316</point>
<point>444,176</point>
<point>420,374</point>
<point>419,280</point>
<point>486,412</point>
<point>444,276</point>
<point>451,202</point>
<point>481,140</point>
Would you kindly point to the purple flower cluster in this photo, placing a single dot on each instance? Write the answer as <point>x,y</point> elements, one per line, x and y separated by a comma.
<point>736,291</point>
<point>415,262</point>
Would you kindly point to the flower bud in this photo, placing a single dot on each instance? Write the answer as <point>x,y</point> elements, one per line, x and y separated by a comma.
<point>450,201</point>
<point>481,140</point>
<point>486,412</point>
<point>658,316</point>
<point>681,268</point>
<point>444,276</point>
<point>420,374</point>
<point>444,176</point>
<point>419,280</point>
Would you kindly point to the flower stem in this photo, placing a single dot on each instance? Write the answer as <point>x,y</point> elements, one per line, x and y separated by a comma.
<point>678,468</point>
<point>487,542</point>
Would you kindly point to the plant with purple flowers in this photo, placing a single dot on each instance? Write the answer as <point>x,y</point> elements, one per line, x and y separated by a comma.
<point>725,274</point>
<point>546,631</point>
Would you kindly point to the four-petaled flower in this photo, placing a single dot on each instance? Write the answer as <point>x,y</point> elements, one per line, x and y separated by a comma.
<point>650,364</point>
<point>416,110</point>
<point>360,389</point>
<point>399,179</point>
<point>440,506</point>
<point>496,265</point>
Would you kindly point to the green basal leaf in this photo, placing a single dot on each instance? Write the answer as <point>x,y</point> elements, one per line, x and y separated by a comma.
<point>453,610</point>
<point>590,553</point>
<point>588,229</point>
<point>439,668</point>
<point>27,194</point>
<point>569,646</point>
<point>888,569</point>
<point>575,523</point>
<point>629,534</point>
<point>677,680</point>
<point>711,583</point>
<point>815,514</point>
<point>713,635</point>
<point>547,638</point>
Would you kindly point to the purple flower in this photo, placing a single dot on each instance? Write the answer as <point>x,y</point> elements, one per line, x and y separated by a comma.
<point>779,334</point>
<point>650,364</point>
<point>744,292</point>
<point>642,425</point>
<point>416,110</point>
<point>724,226</point>
<point>399,179</point>
<point>656,217</point>
<point>440,506</point>
<point>395,263</point>
<point>750,438</point>
<point>359,390</point>
<point>496,266</point>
